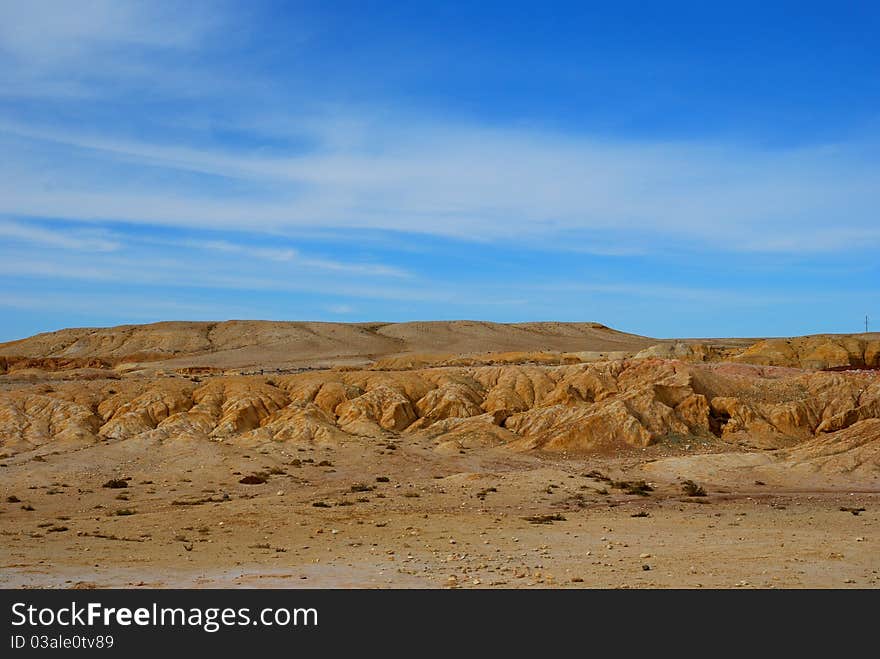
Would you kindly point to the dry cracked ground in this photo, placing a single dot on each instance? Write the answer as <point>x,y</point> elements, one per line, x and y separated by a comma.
<point>455,454</point>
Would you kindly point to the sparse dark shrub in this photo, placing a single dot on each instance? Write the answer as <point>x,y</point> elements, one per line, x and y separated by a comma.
<point>545,519</point>
<point>854,511</point>
<point>692,489</point>
<point>640,488</point>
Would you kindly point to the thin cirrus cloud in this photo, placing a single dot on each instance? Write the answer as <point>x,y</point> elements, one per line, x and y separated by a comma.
<point>54,50</point>
<point>340,309</point>
<point>90,241</point>
<point>97,303</point>
<point>56,35</point>
<point>293,256</point>
<point>153,269</point>
<point>84,240</point>
<point>471,182</point>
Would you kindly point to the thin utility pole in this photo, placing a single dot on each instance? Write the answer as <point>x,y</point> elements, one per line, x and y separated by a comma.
<point>866,323</point>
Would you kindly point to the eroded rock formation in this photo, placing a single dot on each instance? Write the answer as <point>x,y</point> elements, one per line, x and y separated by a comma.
<point>602,406</point>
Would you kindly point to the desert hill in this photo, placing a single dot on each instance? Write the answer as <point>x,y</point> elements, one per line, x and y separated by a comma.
<point>271,344</point>
<point>278,346</point>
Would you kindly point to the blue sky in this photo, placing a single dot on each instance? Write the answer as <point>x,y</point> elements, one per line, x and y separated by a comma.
<point>676,169</point>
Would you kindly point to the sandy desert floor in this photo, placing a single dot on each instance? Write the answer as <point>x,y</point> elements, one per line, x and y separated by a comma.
<point>329,518</point>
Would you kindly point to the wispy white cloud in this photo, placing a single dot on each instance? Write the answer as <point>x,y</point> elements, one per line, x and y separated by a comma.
<point>340,309</point>
<point>477,182</point>
<point>73,50</point>
<point>289,255</point>
<point>152,269</point>
<point>85,240</point>
<point>124,306</point>
<point>61,34</point>
<point>661,291</point>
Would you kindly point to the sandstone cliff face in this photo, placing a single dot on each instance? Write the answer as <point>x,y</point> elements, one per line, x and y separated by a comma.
<point>566,408</point>
<point>854,451</point>
<point>29,419</point>
<point>815,352</point>
<point>125,417</point>
<point>820,352</point>
<point>695,352</point>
